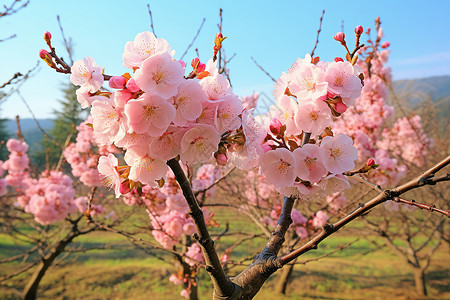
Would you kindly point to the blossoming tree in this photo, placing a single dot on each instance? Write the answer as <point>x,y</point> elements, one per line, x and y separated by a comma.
<point>167,121</point>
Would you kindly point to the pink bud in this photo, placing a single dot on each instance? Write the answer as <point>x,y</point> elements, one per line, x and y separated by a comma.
<point>47,39</point>
<point>201,67</point>
<point>370,162</point>
<point>195,62</point>
<point>124,187</point>
<point>340,107</point>
<point>359,30</point>
<point>43,54</point>
<point>132,86</point>
<point>122,96</point>
<point>340,37</point>
<point>221,159</point>
<point>266,147</point>
<point>368,30</point>
<point>337,59</point>
<point>275,126</point>
<point>331,95</point>
<point>385,45</point>
<point>117,82</point>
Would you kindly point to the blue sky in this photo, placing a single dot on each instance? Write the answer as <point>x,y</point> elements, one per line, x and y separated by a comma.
<point>275,33</point>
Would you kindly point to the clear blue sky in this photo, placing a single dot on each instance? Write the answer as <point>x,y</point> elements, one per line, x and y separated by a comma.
<point>275,33</point>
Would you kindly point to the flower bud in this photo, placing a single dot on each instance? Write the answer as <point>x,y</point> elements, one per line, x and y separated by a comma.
<point>359,30</point>
<point>117,82</point>
<point>183,64</point>
<point>340,107</point>
<point>43,54</point>
<point>385,45</point>
<point>370,162</point>
<point>124,187</point>
<point>275,126</point>
<point>47,38</point>
<point>338,59</point>
<point>132,86</point>
<point>340,37</point>
<point>221,159</point>
<point>194,63</point>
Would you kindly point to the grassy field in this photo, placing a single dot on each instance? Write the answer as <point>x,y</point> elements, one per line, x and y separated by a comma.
<point>126,272</point>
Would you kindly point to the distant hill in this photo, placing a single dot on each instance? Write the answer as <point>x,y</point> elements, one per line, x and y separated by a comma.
<point>30,130</point>
<point>437,86</point>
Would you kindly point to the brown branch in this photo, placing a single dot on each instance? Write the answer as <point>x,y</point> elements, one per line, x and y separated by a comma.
<point>151,19</point>
<point>423,206</point>
<point>19,130</point>
<point>262,69</point>
<point>193,40</point>
<point>10,10</point>
<point>222,284</point>
<point>423,179</point>
<point>318,32</point>
<point>17,75</point>
<point>66,44</point>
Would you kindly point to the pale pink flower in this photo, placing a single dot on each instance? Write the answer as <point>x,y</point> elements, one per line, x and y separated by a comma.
<point>308,163</point>
<point>168,145</point>
<point>160,75</point>
<point>188,102</point>
<point>109,120</point>
<point>87,74</point>
<point>194,252</point>
<point>149,114</point>
<point>144,168</point>
<point>14,145</point>
<point>286,111</point>
<point>185,293</point>
<point>145,45</point>
<point>343,80</point>
<point>338,153</point>
<point>199,143</point>
<point>107,167</point>
<point>279,167</point>
<point>313,117</point>
<point>334,183</point>
<point>216,87</point>
<point>308,83</point>
<point>175,280</point>
<point>227,114</point>
<point>320,219</point>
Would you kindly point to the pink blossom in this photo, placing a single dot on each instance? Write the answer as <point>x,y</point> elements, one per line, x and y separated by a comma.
<point>199,143</point>
<point>313,117</point>
<point>145,45</point>
<point>188,102</point>
<point>320,219</point>
<point>308,83</point>
<point>160,75</point>
<point>308,163</point>
<point>194,252</point>
<point>144,168</point>
<point>87,73</point>
<point>149,114</point>
<point>338,153</point>
<point>168,145</point>
<point>107,167</point>
<point>278,166</point>
<point>117,82</point>
<point>227,114</point>
<point>342,81</point>
<point>185,293</point>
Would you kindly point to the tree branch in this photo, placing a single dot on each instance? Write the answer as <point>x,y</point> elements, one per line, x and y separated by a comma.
<point>222,284</point>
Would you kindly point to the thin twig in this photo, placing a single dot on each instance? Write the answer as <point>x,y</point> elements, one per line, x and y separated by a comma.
<point>262,69</point>
<point>423,206</point>
<point>318,32</point>
<point>193,40</point>
<point>151,19</point>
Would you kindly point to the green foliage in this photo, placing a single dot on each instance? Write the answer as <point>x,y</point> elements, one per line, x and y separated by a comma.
<point>66,119</point>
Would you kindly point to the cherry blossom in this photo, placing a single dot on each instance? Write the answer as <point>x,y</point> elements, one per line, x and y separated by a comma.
<point>87,74</point>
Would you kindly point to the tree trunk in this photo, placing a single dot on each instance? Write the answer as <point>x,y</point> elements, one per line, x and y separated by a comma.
<point>284,278</point>
<point>419,280</point>
<point>30,291</point>
<point>194,293</point>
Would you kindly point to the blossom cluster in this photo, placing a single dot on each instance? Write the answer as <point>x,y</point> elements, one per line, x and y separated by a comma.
<point>50,197</point>
<point>83,155</point>
<point>367,120</point>
<point>158,113</point>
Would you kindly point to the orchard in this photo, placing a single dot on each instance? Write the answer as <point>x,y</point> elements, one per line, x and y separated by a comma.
<point>170,139</point>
